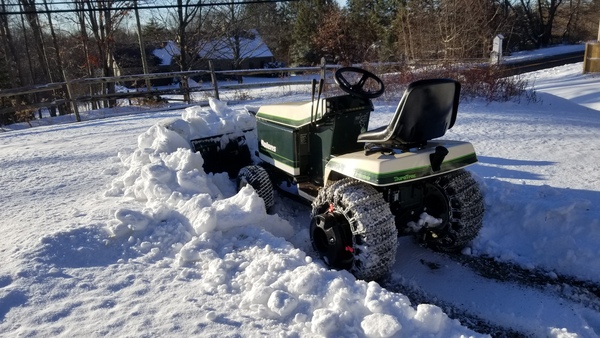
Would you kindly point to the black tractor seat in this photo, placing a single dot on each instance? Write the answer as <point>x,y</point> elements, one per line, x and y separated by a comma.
<point>425,112</point>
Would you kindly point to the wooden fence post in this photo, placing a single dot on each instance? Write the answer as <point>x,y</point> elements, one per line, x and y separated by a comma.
<point>213,78</point>
<point>323,68</point>
<point>70,97</point>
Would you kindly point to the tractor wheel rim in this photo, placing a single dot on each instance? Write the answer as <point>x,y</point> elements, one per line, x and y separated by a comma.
<point>330,238</point>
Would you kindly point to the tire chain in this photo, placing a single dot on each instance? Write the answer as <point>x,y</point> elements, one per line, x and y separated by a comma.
<point>372,225</point>
<point>467,208</point>
<point>261,177</point>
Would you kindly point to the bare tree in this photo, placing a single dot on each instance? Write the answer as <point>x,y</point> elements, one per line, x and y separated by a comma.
<point>55,43</point>
<point>10,55</point>
<point>456,29</point>
<point>187,23</point>
<point>141,43</point>
<point>104,17</point>
<point>538,19</point>
<point>84,39</point>
<point>572,21</point>
<point>31,15</point>
<point>60,72</point>
<point>236,36</point>
<point>589,20</point>
<point>46,64</point>
<point>416,40</point>
<point>467,27</point>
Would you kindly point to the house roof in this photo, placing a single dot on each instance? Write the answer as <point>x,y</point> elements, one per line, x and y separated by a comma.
<point>166,53</point>
<point>251,46</point>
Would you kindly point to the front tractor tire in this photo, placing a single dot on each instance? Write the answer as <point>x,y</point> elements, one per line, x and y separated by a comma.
<point>353,228</point>
<point>458,200</point>
<point>258,178</point>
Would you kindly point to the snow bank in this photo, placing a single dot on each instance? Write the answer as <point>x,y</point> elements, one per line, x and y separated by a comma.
<point>554,229</point>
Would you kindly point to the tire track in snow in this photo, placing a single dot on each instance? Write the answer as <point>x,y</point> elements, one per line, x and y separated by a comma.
<point>585,293</point>
<point>489,303</point>
<point>470,320</point>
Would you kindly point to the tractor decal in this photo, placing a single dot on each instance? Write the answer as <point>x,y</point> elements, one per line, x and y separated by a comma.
<point>268,146</point>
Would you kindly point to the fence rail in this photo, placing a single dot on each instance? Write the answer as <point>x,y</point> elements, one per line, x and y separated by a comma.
<point>73,94</point>
<point>20,104</point>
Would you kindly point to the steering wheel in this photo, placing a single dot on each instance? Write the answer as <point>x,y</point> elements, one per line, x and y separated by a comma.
<point>358,88</point>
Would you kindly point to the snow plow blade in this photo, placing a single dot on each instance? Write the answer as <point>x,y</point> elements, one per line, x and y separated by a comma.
<point>223,153</point>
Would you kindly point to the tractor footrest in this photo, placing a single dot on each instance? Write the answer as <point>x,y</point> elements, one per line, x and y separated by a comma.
<point>309,188</point>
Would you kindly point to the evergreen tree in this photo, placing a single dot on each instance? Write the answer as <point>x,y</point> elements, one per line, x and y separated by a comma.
<point>154,32</point>
<point>371,23</point>
<point>272,22</point>
<point>334,39</point>
<point>309,17</point>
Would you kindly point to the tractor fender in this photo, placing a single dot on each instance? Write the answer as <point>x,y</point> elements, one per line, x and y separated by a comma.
<point>394,166</point>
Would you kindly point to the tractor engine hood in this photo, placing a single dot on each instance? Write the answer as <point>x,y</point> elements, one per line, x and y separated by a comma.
<point>394,167</point>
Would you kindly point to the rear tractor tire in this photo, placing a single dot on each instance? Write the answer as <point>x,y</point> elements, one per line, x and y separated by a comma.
<point>353,228</point>
<point>258,178</point>
<point>455,197</point>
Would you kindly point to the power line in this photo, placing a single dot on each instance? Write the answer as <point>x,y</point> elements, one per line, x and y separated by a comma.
<point>75,10</point>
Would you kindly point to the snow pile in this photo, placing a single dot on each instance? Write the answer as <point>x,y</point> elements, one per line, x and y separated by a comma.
<point>165,174</point>
<point>218,120</point>
<point>195,223</point>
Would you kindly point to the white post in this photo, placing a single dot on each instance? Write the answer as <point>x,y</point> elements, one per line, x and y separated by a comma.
<point>496,55</point>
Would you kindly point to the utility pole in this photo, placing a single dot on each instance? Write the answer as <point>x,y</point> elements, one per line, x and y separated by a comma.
<point>142,47</point>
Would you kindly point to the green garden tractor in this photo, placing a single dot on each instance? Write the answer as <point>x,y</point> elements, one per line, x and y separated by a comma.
<point>366,187</point>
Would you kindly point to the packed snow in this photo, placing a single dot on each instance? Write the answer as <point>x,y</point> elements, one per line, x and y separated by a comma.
<point>112,228</point>
<point>541,53</point>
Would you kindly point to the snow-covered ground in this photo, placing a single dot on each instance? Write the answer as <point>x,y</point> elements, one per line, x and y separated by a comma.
<point>110,230</point>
